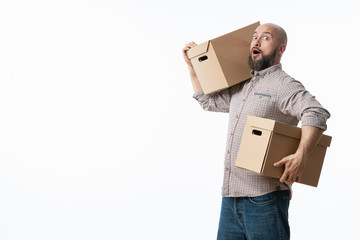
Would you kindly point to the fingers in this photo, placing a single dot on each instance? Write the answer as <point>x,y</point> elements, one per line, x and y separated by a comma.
<point>285,178</point>
<point>293,169</point>
<point>185,49</point>
<point>188,46</point>
<point>191,44</point>
<point>290,180</point>
<point>290,177</point>
<point>281,162</point>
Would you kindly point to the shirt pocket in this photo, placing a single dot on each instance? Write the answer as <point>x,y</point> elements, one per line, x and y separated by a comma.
<point>262,102</point>
<point>262,97</point>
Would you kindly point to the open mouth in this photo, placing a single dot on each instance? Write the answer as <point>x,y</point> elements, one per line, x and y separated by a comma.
<point>256,51</point>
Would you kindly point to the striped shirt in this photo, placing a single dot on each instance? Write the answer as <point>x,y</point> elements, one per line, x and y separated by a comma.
<point>271,94</point>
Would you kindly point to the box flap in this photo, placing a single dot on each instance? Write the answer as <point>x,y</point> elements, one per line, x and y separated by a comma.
<point>198,50</point>
<point>259,122</point>
<point>287,130</point>
<point>253,147</point>
<point>263,167</point>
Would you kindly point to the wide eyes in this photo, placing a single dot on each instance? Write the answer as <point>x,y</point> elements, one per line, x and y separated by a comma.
<point>264,37</point>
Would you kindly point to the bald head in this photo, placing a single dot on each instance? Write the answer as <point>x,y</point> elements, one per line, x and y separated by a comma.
<point>278,32</point>
<point>267,46</point>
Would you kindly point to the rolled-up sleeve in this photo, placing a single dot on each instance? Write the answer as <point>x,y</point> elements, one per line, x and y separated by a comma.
<point>295,100</point>
<point>215,102</point>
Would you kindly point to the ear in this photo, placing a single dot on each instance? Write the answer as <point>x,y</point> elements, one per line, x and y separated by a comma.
<point>282,49</point>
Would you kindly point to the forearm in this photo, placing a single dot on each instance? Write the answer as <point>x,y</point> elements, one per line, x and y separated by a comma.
<point>310,136</point>
<point>194,80</point>
<point>217,102</point>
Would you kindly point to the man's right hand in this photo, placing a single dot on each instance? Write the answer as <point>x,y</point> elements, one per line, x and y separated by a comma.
<point>186,58</point>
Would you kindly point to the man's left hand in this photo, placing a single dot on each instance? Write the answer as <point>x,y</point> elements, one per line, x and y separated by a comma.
<point>294,167</point>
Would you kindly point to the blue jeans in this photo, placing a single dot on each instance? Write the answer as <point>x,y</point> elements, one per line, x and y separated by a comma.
<point>251,218</point>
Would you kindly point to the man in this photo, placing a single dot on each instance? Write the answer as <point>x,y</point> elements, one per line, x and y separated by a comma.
<point>256,206</point>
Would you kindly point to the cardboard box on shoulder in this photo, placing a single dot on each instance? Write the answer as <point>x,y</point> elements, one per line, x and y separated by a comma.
<point>266,141</point>
<point>223,61</point>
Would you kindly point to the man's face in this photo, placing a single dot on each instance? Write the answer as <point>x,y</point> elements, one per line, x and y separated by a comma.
<point>264,62</point>
<point>263,48</point>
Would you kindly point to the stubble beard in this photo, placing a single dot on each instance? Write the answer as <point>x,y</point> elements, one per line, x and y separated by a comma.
<point>263,63</point>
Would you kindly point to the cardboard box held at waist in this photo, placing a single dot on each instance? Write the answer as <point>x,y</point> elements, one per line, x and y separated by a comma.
<point>223,61</point>
<point>266,141</point>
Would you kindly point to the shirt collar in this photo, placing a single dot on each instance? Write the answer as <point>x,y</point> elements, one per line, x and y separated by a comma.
<point>267,70</point>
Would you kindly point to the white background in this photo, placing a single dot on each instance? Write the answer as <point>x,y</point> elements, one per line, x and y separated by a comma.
<point>100,137</point>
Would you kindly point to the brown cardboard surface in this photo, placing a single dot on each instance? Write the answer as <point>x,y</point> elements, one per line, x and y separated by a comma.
<point>222,62</point>
<point>266,141</point>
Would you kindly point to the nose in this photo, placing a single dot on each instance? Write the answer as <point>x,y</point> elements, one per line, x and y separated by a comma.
<point>257,42</point>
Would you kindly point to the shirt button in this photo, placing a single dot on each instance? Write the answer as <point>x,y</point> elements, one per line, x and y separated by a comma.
<point>243,99</point>
<point>238,116</point>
